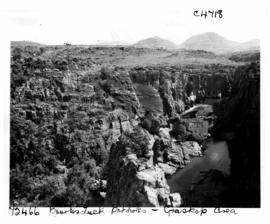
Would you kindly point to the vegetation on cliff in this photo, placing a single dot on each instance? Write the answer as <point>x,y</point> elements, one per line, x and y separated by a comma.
<point>73,107</point>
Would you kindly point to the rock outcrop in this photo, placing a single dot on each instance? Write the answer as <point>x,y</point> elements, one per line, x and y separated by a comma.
<point>170,155</point>
<point>133,179</point>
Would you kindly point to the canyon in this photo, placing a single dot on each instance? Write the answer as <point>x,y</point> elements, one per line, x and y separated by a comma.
<point>109,126</point>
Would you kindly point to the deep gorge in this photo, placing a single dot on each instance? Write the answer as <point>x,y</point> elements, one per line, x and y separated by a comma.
<point>85,133</point>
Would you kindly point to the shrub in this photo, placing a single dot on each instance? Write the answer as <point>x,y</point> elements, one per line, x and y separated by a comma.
<point>135,142</point>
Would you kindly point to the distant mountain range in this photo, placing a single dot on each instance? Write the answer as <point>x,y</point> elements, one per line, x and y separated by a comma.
<point>207,41</point>
<point>217,44</point>
<point>155,42</point>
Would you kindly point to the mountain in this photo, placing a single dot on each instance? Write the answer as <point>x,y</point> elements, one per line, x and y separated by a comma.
<point>216,43</point>
<point>155,42</point>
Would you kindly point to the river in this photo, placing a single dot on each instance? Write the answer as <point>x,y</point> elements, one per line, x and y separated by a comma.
<point>216,156</point>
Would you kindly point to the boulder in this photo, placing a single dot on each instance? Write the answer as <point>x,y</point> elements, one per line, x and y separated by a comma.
<point>175,199</point>
<point>167,169</point>
<point>192,148</point>
<point>191,129</point>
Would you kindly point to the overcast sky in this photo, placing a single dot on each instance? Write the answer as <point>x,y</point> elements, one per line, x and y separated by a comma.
<point>96,21</point>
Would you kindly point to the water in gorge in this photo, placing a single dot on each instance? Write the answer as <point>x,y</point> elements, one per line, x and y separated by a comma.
<point>216,156</point>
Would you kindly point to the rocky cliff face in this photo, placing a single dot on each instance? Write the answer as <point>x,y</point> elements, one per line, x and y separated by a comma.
<point>238,122</point>
<point>62,114</point>
<point>240,126</point>
<point>84,112</point>
<point>133,179</point>
<point>79,115</point>
<point>175,89</point>
<point>138,165</point>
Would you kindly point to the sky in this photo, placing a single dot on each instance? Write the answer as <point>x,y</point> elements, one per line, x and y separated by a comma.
<point>97,21</point>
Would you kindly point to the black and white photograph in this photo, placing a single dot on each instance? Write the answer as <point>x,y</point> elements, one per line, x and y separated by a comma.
<point>134,104</point>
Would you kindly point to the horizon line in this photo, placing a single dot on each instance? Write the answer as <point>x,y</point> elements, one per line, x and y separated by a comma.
<point>125,43</point>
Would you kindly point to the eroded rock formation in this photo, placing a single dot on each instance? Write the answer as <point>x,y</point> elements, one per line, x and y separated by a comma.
<point>73,119</point>
<point>133,179</point>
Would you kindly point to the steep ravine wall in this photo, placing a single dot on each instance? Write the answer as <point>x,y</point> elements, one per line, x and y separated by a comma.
<point>66,119</point>
<point>138,178</point>
<point>238,123</point>
<point>178,88</point>
<point>240,126</point>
